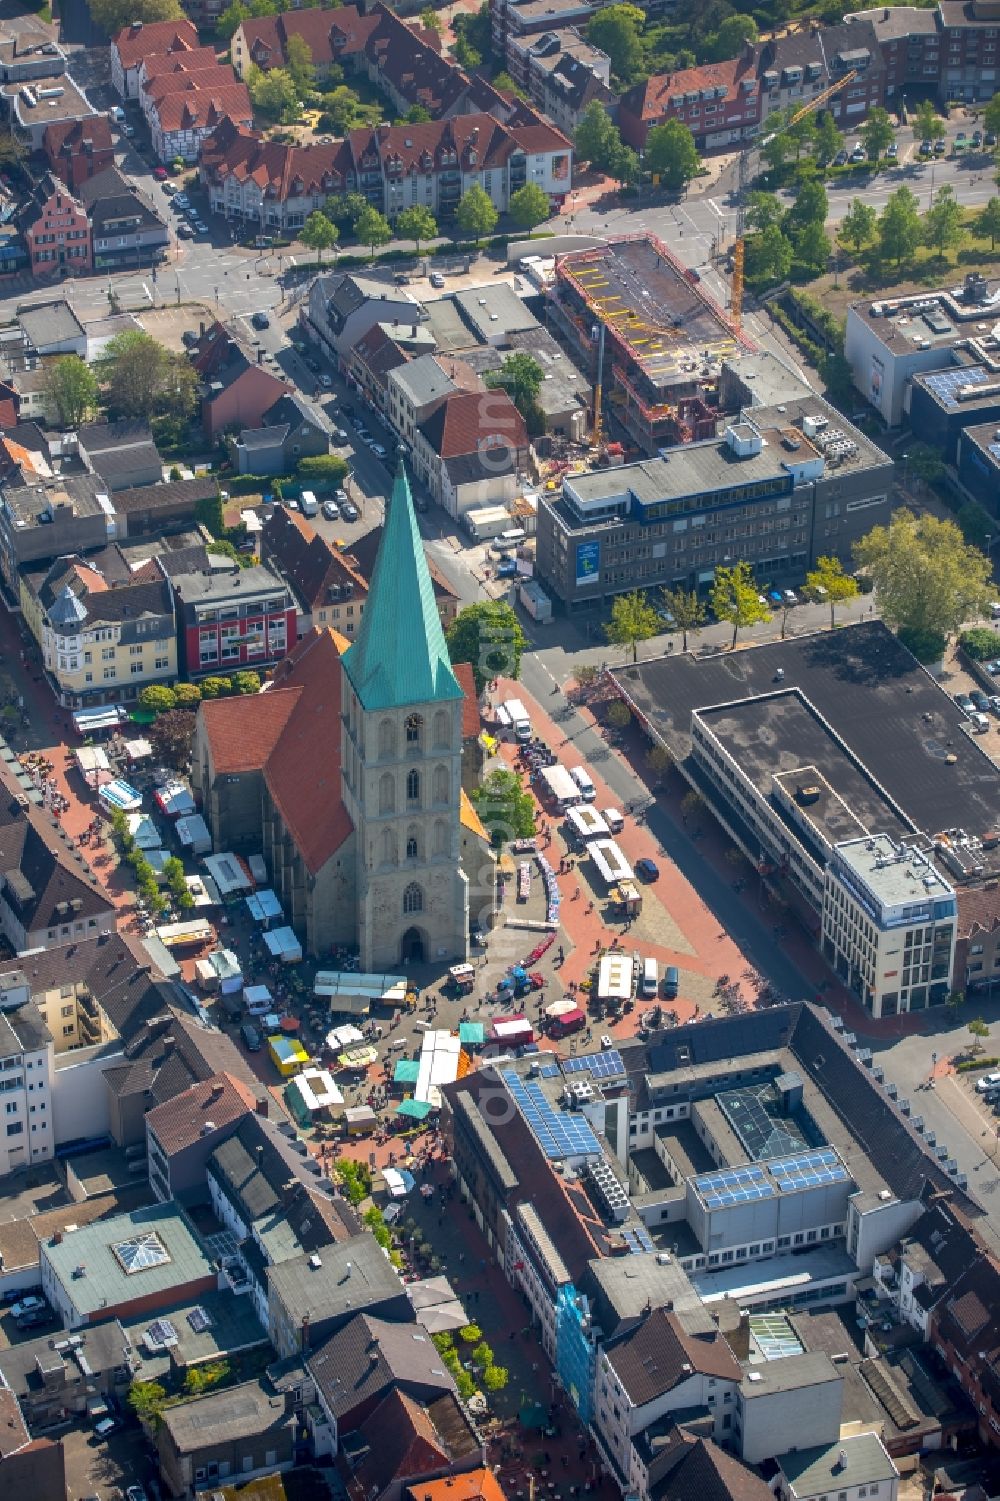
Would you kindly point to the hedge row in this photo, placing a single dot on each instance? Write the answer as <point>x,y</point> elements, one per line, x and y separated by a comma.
<point>969,1065</point>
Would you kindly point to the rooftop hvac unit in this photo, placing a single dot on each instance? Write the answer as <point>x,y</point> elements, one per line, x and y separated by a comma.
<point>813,424</point>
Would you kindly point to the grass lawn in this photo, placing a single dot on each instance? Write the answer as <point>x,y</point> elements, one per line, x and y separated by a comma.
<point>868,277</point>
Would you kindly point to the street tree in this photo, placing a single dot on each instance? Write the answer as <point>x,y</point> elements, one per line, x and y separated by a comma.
<point>476,214</point>
<point>473,37</point>
<point>623,165</point>
<point>777,147</point>
<point>827,583</point>
<point>617,30</point>
<point>812,246</point>
<point>859,225</point>
<point>991,115</point>
<point>595,136</point>
<point>344,208</point>
<point>877,134</point>
<point>763,210</point>
<point>172,736</point>
<point>828,141</point>
<point>978,1031</point>
<point>417,114</point>
<point>735,597</point>
<point>943,228</point>
<point>802,134</point>
<point>489,637</point>
<point>416,223</point>
<point>530,206</point>
<point>112,15</point>
<point>633,619</point>
<point>430,20</point>
<point>659,761</point>
<point>977,527</point>
<point>987,221</point>
<point>506,809</point>
<point>299,58</point>
<point>927,123</point>
<point>318,233</point>
<point>923,463</point>
<point>71,390</point>
<point>672,155</point>
<point>811,206</point>
<point>687,609</point>
<point>899,227</point>
<point>768,255</point>
<point>928,579</point>
<point>372,228</point>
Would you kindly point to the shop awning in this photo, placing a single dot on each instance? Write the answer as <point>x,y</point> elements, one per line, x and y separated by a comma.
<point>417,1110</point>
<point>119,794</point>
<point>264,905</point>
<point>105,717</point>
<point>472,1033</point>
<point>407,1071</point>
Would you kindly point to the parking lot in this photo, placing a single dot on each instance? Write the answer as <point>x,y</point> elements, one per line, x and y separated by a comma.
<point>104,1468</point>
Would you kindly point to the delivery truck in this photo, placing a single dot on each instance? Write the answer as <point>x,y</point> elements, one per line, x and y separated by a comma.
<point>535,600</point>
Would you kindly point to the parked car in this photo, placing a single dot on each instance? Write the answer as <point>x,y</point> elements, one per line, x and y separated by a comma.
<point>977,139</point>
<point>347,411</point>
<point>437,280</point>
<point>789,597</point>
<point>170,188</point>
<point>189,338</point>
<point>926,148</point>
<point>260,320</point>
<point>987,1082</point>
<point>201,227</point>
<point>965,703</point>
<point>349,511</point>
<point>993,668</point>
<point>647,870</point>
<point>339,435</point>
<point>105,1428</point>
<point>325,382</point>
<point>331,510</point>
<point>858,154</point>
<point>840,160</point>
<point>979,700</point>
<point>960,141</point>
<point>184,231</point>
<point>507,569</point>
<point>29,1304</point>
<point>995,703</point>
<point>893,152</point>
<point>990,138</point>
<point>940,146</point>
<point>378,450</point>
<point>159,173</point>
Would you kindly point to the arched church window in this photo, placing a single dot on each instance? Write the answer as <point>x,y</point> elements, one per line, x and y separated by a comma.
<point>414,729</point>
<point>413,786</point>
<point>413,898</point>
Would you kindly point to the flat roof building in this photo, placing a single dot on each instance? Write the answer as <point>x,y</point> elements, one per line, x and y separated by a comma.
<point>890,341</point>
<point>812,747</point>
<point>664,338</point>
<point>798,479</point>
<point>977,459</point>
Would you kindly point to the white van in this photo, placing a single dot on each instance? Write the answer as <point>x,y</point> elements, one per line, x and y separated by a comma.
<point>509,540</point>
<point>519,722</point>
<point>309,503</point>
<point>650,977</point>
<point>980,723</point>
<point>615,819</point>
<point>583,780</point>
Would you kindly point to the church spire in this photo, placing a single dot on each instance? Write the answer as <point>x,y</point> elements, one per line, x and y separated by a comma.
<point>399,656</point>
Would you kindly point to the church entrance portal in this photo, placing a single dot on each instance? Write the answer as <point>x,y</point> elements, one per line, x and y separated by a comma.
<point>412,949</point>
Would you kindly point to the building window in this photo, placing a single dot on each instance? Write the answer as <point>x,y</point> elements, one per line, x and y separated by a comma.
<point>16,1128</point>
<point>413,786</point>
<point>413,898</point>
<point>411,849</point>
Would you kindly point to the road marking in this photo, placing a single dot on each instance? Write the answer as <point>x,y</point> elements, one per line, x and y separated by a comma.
<point>715,207</point>
<point>147,292</point>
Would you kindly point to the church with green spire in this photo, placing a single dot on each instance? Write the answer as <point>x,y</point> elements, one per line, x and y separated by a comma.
<point>401,759</point>
<point>347,774</point>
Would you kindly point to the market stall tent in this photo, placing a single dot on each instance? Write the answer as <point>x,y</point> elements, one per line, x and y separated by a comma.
<point>144,832</point>
<point>264,906</point>
<point>193,834</point>
<point>283,944</point>
<point>175,799</point>
<point>287,1054</point>
<point>93,764</point>
<point>119,795</point>
<point>228,874</point>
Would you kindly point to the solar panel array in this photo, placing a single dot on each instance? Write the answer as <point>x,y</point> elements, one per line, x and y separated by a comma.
<point>638,1241</point>
<point>549,1071</point>
<point>558,1132</point>
<point>607,1065</point>
<point>808,1170</point>
<point>945,383</point>
<point>734,1185</point>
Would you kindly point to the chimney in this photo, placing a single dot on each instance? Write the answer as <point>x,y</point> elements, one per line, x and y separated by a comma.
<point>262,1105</point>
<point>259,1155</point>
<point>260,356</point>
<point>218,1089</point>
<point>136,27</point>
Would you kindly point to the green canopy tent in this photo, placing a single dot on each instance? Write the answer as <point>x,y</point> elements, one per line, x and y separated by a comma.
<point>407,1071</point>
<point>471,1034</point>
<point>417,1110</point>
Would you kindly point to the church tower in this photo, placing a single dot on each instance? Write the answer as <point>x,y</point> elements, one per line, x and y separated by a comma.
<point>402,754</point>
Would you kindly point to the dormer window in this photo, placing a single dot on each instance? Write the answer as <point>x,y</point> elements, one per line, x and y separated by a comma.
<point>472,157</point>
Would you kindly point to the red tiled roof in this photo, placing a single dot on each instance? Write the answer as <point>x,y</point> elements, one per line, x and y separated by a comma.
<point>471,721</point>
<point>273,32</point>
<point>218,1101</point>
<point>244,155</point>
<point>307,790</point>
<point>473,1485</point>
<point>204,108</point>
<point>180,62</point>
<point>242,732</point>
<point>133,43</point>
<point>462,423</point>
<point>71,134</point>
<point>307,560</point>
<point>650,100</point>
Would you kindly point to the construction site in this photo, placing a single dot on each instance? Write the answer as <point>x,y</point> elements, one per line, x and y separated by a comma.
<point>650,337</point>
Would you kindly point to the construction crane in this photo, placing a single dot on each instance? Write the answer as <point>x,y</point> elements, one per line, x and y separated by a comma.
<point>743,182</point>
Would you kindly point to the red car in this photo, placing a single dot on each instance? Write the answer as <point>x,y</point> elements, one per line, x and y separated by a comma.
<point>159,173</point>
